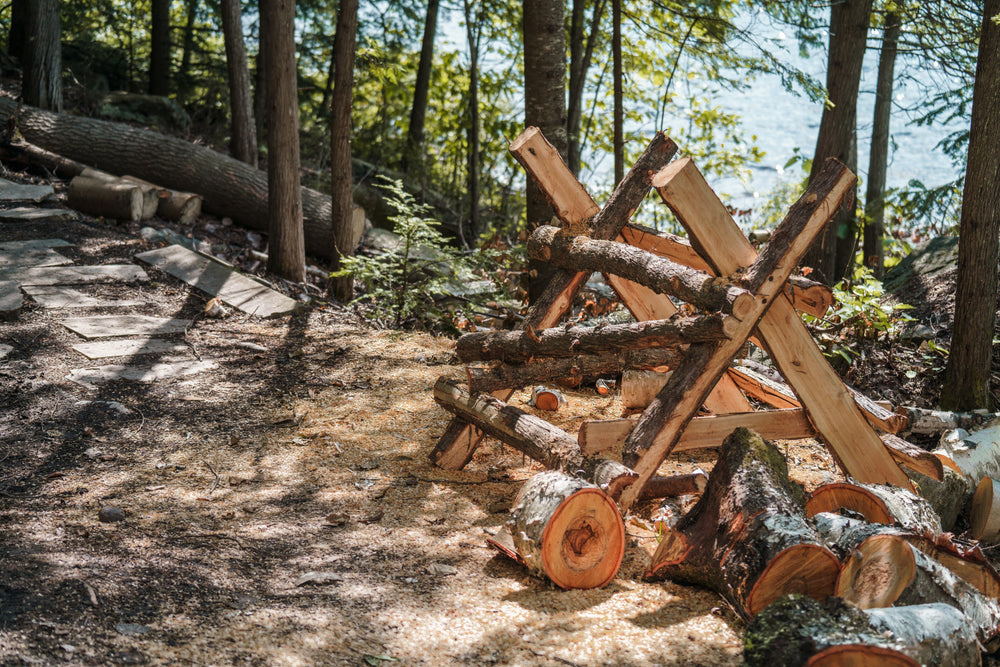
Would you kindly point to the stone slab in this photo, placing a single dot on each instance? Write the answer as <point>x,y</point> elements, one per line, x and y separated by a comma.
<point>32,214</point>
<point>129,348</point>
<point>34,243</point>
<point>101,326</point>
<point>217,279</point>
<point>28,257</point>
<point>11,191</point>
<point>59,296</point>
<point>5,350</point>
<point>10,299</point>
<point>89,377</point>
<point>77,275</point>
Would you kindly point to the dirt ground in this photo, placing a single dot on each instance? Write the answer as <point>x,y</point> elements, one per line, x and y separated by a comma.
<point>281,510</point>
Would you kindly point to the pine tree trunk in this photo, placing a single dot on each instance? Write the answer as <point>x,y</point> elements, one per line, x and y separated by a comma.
<point>42,56</point>
<point>286,247</point>
<point>342,288</point>
<point>159,51</point>
<point>619,110</point>
<point>473,34</point>
<point>187,45</point>
<point>967,376</point>
<point>243,142</point>
<point>18,34</point>
<point>879,155</point>
<point>838,128</point>
<point>581,53</point>
<point>413,158</point>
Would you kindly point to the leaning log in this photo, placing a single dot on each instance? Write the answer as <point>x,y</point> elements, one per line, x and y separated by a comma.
<point>747,538</point>
<point>570,372</point>
<point>120,201</point>
<point>581,253</point>
<point>230,187</point>
<point>516,347</point>
<point>877,503</point>
<point>568,530</point>
<point>798,630</point>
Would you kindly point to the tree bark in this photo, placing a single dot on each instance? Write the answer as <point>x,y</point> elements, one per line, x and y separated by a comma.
<point>18,34</point>
<point>41,57</point>
<point>879,153</point>
<point>967,375</point>
<point>877,504</point>
<point>832,252</point>
<point>619,98</point>
<point>581,253</point>
<point>260,99</point>
<point>544,105</point>
<point>580,57</point>
<point>413,157</point>
<point>473,34</point>
<point>572,371</point>
<point>286,255</point>
<point>187,44</point>
<point>343,240</point>
<point>567,530</point>
<point>243,142</point>
<point>747,538</point>
<point>521,346</point>
<point>159,48</point>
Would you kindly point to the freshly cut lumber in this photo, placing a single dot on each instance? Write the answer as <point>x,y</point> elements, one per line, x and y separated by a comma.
<point>568,530</point>
<point>458,443</point>
<point>797,630</point>
<point>763,388</point>
<point>531,435</point>
<point>808,296</point>
<point>570,250</point>
<point>877,504</point>
<point>747,538</point>
<point>571,372</point>
<point>878,416</point>
<point>705,432</point>
<point>640,387</point>
<point>984,519</point>
<point>121,201</point>
<point>520,346</point>
<point>913,457</point>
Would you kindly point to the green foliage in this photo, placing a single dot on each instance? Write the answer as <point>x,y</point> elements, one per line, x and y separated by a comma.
<point>859,313</point>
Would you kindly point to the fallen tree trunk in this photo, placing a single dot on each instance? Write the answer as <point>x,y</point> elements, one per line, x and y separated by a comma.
<point>229,187</point>
<point>120,201</point>
<point>798,630</point>
<point>567,530</point>
<point>581,253</point>
<point>571,372</point>
<point>520,346</point>
<point>877,504</point>
<point>747,538</point>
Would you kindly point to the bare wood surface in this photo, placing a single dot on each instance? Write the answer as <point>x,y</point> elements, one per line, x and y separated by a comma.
<point>520,346</point>
<point>764,389</point>
<point>121,201</point>
<point>984,518</point>
<point>569,199</point>
<point>914,458</point>
<point>571,250</point>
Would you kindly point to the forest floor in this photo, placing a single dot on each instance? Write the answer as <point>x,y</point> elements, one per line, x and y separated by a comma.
<point>280,509</point>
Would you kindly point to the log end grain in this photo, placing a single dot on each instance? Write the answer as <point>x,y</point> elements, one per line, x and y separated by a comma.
<point>584,542</point>
<point>841,495</point>
<point>984,519</point>
<point>861,655</point>
<point>877,572</point>
<point>806,569</point>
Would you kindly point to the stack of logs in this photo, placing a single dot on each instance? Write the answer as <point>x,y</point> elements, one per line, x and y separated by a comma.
<point>128,198</point>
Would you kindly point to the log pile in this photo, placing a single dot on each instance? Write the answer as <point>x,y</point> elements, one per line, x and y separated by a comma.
<point>102,194</point>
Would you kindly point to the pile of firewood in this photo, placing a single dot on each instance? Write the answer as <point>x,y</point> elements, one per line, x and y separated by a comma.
<point>128,198</point>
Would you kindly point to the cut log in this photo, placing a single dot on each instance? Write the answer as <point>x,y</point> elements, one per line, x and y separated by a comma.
<point>568,530</point>
<point>549,445</point>
<point>675,485</point>
<point>932,422</point>
<point>807,296</point>
<point>150,195</point>
<point>948,496</point>
<point>878,416</point>
<point>521,346</point>
<point>798,630</point>
<point>913,457</point>
<point>120,201</point>
<point>570,250</point>
<point>984,519</point>
<point>585,368</point>
<point>640,387</point>
<point>976,454</point>
<point>877,504</point>
<point>764,389</point>
<point>747,538</point>
<point>185,207</point>
<point>705,432</point>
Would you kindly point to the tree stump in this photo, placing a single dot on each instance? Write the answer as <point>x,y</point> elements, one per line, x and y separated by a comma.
<point>567,530</point>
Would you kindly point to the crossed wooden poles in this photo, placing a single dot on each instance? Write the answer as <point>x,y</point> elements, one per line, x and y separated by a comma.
<point>759,303</point>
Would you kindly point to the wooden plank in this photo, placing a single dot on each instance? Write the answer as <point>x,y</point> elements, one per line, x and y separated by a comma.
<point>832,408</point>
<point>702,432</point>
<point>10,299</point>
<point>215,278</point>
<point>76,275</point>
<point>103,326</point>
<point>775,394</point>
<point>570,200</point>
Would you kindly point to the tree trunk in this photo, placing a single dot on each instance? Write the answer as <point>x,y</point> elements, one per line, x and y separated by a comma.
<point>879,155</point>
<point>413,157</point>
<point>187,45</point>
<point>619,98</point>
<point>567,530</point>
<point>522,346</point>
<point>877,504</point>
<point>159,49</point>
<point>260,100</point>
<point>580,56</point>
<point>967,376</point>
<point>544,105</point>
<point>18,34</point>
<point>581,253</point>
<point>343,239</point>
<point>41,85</point>
<point>797,630</point>
<point>286,247</point>
<point>832,252</point>
<point>570,372</point>
<point>243,142</point>
<point>747,538</point>
<point>473,34</point>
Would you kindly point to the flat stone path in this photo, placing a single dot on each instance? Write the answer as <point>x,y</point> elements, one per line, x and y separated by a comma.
<point>106,326</point>
<point>59,296</point>
<point>129,348</point>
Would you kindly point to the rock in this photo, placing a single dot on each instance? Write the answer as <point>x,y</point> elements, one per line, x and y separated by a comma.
<point>917,332</point>
<point>131,629</point>
<point>937,256</point>
<point>319,578</point>
<point>110,514</point>
<point>5,350</point>
<point>441,569</point>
